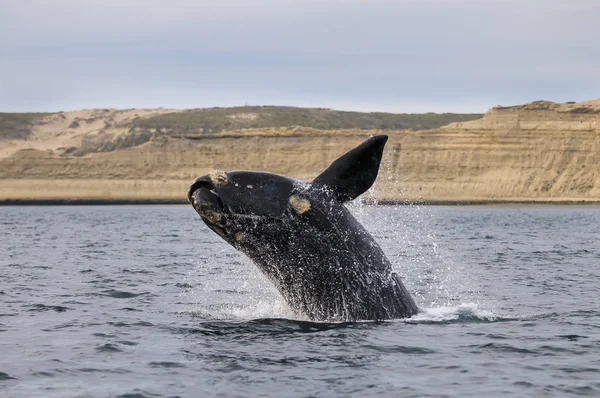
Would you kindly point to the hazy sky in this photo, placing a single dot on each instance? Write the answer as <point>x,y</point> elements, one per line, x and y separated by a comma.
<point>371,55</point>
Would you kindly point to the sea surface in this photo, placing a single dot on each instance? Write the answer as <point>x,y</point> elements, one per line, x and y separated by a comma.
<point>145,301</point>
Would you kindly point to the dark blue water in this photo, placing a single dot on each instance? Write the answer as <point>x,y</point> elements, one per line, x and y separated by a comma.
<point>146,302</point>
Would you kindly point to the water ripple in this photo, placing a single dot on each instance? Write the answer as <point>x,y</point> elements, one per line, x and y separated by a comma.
<point>122,294</point>
<point>146,301</point>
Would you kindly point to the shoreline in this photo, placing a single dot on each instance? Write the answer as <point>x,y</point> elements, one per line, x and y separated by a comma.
<point>383,202</point>
<point>90,202</point>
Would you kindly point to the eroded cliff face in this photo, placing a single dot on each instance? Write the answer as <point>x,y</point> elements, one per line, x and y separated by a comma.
<point>164,168</point>
<point>539,115</point>
<point>539,151</point>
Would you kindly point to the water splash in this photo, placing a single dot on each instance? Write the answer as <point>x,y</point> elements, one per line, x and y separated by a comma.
<point>427,270</point>
<point>409,231</point>
<point>463,313</point>
<point>243,294</point>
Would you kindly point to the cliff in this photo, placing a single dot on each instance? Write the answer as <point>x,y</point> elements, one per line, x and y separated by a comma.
<point>535,152</point>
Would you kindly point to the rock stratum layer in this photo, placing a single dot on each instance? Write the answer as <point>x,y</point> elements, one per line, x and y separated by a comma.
<point>541,151</point>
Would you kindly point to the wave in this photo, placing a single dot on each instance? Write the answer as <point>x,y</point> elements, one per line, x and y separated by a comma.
<point>268,322</point>
<point>264,326</point>
<point>263,315</point>
<point>463,313</point>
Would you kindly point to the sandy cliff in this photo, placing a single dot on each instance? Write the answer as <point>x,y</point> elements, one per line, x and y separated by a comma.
<point>539,151</point>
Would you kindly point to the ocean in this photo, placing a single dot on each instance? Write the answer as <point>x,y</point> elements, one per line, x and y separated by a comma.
<point>145,301</point>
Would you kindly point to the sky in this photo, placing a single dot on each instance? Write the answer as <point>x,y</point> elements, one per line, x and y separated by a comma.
<point>370,55</point>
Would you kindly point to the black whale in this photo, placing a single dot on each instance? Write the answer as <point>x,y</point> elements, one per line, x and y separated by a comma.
<point>321,259</point>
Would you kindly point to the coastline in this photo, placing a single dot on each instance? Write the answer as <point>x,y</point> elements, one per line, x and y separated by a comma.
<point>385,202</point>
<point>90,202</point>
<point>537,153</point>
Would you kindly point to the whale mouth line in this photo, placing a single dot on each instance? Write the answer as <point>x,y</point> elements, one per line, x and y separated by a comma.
<point>196,185</point>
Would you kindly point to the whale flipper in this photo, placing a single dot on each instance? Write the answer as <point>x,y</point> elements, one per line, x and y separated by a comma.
<point>354,172</point>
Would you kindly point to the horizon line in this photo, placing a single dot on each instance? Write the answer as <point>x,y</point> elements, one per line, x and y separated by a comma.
<point>356,109</point>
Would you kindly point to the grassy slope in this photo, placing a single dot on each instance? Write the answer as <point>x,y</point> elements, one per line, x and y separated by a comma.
<point>214,120</point>
<point>204,122</point>
<point>18,125</point>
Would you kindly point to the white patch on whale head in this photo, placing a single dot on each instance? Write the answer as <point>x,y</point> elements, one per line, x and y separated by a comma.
<point>218,177</point>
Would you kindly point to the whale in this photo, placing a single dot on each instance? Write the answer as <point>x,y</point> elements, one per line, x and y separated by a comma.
<point>301,235</point>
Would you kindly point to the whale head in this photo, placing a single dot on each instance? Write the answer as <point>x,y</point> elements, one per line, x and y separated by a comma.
<point>237,204</point>
<point>234,203</point>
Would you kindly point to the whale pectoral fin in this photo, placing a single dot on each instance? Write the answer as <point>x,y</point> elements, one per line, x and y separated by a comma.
<point>354,172</point>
